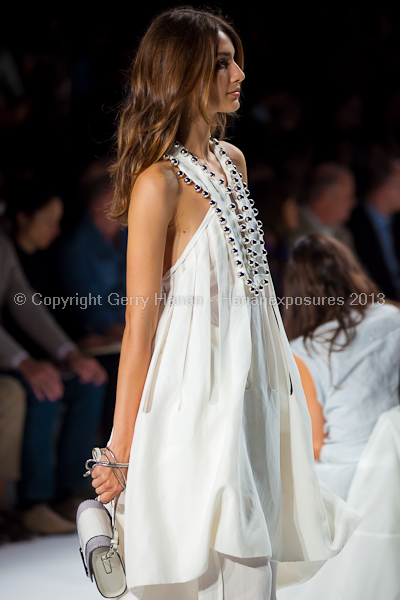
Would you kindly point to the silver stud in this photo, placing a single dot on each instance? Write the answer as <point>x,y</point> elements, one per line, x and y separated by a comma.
<point>216,142</point>
<point>187,180</point>
<point>233,172</point>
<point>264,251</point>
<point>222,220</point>
<point>184,152</point>
<point>247,192</point>
<point>166,156</point>
<point>231,240</point>
<point>194,159</point>
<point>226,230</point>
<point>265,281</point>
<point>197,188</point>
<point>218,210</point>
<point>256,293</point>
<point>238,263</point>
<point>212,202</point>
<point>254,242</point>
<point>204,167</point>
<point>235,251</point>
<point>221,181</point>
<point>259,223</point>
<point>236,179</point>
<point>244,184</point>
<point>249,251</point>
<point>252,230</point>
<point>175,161</point>
<point>255,271</point>
<point>265,261</point>
<point>240,175</point>
<point>228,161</point>
<point>245,207</point>
<point>238,188</point>
<point>246,240</point>
<point>255,211</point>
<point>222,151</point>
<point>228,189</point>
<point>249,282</point>
<point>261,287</point>
<point>232,206</point>
<point>176,144</point>
<point>240,197</point>
<point>241,274</point>
<point>247,219</point>
<point>266,272</point>
<point>251,262</point>
<point>260,232</point>
<point>242,227</point>
<point>211,174</point>
<point>180,174</point>
<point>205,194</point>
<point>251,202</point>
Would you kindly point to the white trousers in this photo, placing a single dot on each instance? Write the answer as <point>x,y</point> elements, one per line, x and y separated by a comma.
<point>227,578</point>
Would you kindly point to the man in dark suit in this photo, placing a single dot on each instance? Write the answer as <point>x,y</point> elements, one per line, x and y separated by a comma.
<point>375,225</point>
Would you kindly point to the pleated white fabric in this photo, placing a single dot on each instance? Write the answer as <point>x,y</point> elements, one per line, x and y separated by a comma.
<point>368,567</point>
<point>222,455</point>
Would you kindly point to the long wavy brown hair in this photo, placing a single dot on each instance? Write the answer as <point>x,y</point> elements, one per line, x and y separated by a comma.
<point>176,54</point>
<point>322,267</point>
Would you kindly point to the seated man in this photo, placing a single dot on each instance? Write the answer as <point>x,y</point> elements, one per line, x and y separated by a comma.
<point>330,198</point>
<point>49,472</point>
<point>375,225</point>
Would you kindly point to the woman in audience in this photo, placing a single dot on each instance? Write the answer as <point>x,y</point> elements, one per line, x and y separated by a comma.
<point>346,342</point>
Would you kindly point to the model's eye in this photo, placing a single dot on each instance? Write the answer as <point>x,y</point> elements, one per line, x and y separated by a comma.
<point>221,64</point>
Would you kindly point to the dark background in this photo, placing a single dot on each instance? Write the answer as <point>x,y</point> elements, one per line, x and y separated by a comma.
<point>321,83</point>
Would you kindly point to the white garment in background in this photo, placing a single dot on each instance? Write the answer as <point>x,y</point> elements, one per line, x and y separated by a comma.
<point>362,384</point>
<point>222,455</point>
<point>368,566</point>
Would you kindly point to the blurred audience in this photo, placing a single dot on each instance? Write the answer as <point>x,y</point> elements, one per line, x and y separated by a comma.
<point>329,200</point>
<point>67,384</point>
<point>12,418</point>
<point>375,225</point>
<point>278,211</point>
<point>93,262</point>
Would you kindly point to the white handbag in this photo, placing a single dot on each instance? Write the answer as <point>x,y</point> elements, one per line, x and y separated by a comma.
<point>98,536</point>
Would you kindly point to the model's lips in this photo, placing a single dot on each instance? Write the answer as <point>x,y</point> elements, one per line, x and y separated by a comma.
<point>235,93</point>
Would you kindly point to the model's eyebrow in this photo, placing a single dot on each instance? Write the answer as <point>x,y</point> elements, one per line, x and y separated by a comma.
<point>227,54</point>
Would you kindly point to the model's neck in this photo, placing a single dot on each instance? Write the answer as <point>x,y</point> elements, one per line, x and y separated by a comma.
<point>195,136</point>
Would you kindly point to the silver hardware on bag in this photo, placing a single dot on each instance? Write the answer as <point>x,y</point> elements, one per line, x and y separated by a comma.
<point>98,535</point>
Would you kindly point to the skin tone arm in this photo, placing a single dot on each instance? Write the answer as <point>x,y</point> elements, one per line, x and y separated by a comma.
<point>314,408</point>
<point>153,205</point>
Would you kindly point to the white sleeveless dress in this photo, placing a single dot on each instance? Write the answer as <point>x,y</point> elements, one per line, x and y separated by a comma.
<point>221,460</point>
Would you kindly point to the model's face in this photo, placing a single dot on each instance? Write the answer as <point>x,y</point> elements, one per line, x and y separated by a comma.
<point>228,76</point>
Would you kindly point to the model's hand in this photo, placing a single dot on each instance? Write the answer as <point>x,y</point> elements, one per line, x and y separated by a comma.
<point>105,482</point>
<point>89,369</point>
<point>43,378</point>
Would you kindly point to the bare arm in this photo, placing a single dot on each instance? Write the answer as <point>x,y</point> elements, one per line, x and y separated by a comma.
<point>314,407</point>
<point>153,205</point>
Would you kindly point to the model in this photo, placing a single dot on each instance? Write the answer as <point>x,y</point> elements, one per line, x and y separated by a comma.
<point>210,411</point>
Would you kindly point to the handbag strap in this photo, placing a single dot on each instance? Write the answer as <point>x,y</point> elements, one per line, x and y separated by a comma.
<point>96,461</point>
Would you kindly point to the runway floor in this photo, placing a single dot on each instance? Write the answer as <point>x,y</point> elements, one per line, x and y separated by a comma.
<point>48,568</point>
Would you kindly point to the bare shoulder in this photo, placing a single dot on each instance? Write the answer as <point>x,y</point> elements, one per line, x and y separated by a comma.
<point>237,156</point>
<point>157,187</point>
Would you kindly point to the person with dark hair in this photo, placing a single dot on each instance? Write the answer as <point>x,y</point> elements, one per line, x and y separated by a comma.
<point>71,384</point>
<point>346,341</point>
<point>375,225</point>
<point>210,412</point>
<point>328,201</point>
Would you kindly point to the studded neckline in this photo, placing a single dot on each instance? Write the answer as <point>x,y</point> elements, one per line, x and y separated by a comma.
<point>243,233</point>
